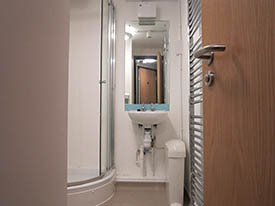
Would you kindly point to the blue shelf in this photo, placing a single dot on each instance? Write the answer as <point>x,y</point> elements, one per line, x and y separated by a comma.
<point>158,107</point>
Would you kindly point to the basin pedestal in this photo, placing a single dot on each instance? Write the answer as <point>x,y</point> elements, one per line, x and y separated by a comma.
<point>147,121</point>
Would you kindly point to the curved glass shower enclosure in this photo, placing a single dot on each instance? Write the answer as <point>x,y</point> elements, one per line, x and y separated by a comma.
<point>90,98</point>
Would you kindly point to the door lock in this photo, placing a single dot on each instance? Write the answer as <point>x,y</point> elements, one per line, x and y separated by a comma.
<point>209,78</point>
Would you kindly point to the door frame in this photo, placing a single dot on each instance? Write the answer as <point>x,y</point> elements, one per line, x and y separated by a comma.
<point>135,72</point>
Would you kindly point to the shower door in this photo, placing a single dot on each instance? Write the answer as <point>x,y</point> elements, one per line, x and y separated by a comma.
<point>90,107</point>
<point>84,91</point>
<point>239,105</point>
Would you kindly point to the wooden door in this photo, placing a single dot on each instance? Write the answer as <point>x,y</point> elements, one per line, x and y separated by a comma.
<point>147,86</point>
<point>239,108</point>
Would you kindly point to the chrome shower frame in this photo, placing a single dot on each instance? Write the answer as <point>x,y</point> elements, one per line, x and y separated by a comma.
<point>111,86</point>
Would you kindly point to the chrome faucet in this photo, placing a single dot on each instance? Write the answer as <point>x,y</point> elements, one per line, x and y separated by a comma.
<point>152,107</point>
<point>143,108</point>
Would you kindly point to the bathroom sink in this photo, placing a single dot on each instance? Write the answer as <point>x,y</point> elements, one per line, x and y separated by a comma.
<point>148,117</point>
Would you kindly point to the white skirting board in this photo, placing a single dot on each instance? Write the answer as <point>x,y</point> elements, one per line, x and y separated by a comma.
<point>140,179</point>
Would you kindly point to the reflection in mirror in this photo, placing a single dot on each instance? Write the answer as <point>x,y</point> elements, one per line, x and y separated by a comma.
<point>146,65</point>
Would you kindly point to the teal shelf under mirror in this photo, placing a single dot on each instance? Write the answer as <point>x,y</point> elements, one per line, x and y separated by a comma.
<point>157,107</point>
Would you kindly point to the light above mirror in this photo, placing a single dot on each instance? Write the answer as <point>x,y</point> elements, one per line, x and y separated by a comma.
<point>129,29</point>
<point>146,63</point>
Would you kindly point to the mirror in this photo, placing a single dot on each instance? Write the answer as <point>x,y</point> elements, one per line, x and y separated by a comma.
<point>146,63</point>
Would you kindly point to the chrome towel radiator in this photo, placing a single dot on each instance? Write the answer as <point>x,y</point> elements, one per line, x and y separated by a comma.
<point>196,103</point>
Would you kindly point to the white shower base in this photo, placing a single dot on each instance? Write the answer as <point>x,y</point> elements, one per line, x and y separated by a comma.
<point>96,193</point>
<point>81,174</point>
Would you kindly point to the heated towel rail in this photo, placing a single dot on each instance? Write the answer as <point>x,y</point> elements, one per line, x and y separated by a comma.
<point>196,103</point>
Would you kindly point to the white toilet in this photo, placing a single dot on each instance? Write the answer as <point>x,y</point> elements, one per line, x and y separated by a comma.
<point>175,155</point>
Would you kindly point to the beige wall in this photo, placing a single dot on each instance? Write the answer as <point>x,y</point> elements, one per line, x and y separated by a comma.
<point>33,95</point>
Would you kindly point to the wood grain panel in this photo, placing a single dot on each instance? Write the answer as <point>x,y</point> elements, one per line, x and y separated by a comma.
<point>239,109</point>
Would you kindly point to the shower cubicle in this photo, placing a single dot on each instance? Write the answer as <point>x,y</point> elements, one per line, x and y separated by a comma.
<point>90,97</point>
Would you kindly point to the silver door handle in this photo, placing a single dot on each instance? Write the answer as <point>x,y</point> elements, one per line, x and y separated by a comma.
<point>207,52</point>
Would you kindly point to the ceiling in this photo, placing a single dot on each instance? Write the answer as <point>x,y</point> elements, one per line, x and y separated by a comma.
<point>157,33</point>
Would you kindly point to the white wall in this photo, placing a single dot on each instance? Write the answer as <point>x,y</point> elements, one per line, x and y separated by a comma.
<point>34,41</point>
<point>129,70</point>
<point>127,138</point>
<point>83,111</point>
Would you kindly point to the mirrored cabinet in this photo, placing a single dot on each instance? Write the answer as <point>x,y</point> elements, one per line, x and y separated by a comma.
<point>146,65</point>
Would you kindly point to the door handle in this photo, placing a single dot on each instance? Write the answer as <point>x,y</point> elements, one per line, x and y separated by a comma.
<point>102,81</point>
<point>207,52</point>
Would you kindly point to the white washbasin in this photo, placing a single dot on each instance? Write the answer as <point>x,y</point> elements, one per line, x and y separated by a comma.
<point>148,117</point>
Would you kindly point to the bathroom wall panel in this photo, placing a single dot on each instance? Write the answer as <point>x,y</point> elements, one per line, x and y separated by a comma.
<point>34,41</point>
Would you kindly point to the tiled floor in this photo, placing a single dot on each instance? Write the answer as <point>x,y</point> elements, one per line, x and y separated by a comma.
<point>140,194</point>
